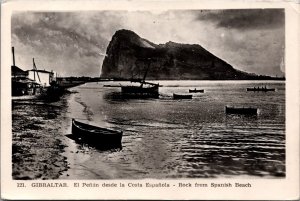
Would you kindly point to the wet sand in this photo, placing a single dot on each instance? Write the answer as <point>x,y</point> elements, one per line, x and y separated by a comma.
<point>37,142</point>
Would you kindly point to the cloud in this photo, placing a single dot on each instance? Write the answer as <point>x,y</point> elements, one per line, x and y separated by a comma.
<point>74,43</point>
<point>58,42</point>
<point>244,19</point>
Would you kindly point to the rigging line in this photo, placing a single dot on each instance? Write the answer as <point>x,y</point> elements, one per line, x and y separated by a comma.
<point>34,67</point>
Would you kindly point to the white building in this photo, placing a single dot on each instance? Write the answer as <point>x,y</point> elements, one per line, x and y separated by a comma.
<point>42,77</point>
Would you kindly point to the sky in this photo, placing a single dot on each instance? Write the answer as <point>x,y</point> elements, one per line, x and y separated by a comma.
<point>74,43</point>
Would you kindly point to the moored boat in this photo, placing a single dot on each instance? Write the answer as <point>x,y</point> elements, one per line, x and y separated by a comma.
<point>264,89</point>
<point>182,96</point>
<point>98,136</point>
<point>109,85</point>
<point>146,89</point>
<point>196,90</point>
<point>241,110</point>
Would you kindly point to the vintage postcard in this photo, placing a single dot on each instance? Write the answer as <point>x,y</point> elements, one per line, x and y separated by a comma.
<point>150,100</point>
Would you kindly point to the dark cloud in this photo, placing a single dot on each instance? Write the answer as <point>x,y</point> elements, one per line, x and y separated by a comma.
<point>245,18</point>
<point>55,27</point>
<point>74,43</point>
<point>57,40</point>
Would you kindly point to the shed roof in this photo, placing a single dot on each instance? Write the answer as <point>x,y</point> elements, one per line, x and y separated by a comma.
<point>41,71</point>
<point>16,69</point>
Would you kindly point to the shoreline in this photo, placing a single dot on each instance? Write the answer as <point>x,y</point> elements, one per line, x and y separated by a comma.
<point>37,142</point>
<point>145,132</point>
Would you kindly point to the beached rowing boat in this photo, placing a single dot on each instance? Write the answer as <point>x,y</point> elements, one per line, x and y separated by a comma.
<point>97,135</point>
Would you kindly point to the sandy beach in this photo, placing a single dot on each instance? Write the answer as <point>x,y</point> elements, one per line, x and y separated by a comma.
<point>38,142</point>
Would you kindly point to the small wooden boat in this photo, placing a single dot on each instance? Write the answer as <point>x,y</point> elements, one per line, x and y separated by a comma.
<point>182,96</point>
<point>102,137</point>
<point>264,89</point>
<point>196,90</point>
<point>150,91</point>
<point>108,85</point>
<point>144,90</point>
<point>241,110</point>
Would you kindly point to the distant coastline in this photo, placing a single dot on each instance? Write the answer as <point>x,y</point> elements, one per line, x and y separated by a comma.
<point>255,78</point>
<point>101,79</point>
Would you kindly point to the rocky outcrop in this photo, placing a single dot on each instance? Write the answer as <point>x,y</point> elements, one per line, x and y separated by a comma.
<point>129,56</point>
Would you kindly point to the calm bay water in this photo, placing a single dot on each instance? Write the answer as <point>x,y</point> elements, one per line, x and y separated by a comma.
<point>162,138</point>
<point>166,138</point>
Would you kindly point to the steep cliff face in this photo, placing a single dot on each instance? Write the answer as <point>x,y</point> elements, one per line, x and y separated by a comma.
<point>129,56</point>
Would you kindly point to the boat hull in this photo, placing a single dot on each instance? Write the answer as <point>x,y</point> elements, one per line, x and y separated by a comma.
<point>260,89</point>
<point>196,91</point>
<point>181,96</point>
<point>97,136</point>
<point>138,91</point>
<point>241,110</point>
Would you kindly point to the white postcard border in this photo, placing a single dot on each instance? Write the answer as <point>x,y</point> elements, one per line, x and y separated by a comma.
<point>262,189</point>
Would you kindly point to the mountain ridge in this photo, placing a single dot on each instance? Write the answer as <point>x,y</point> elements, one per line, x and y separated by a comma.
<point>128,56</point>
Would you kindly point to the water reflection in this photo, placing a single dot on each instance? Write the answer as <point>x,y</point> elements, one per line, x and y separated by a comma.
<point>93,144</point>
<point>162,138</point>
<point>195,138</point>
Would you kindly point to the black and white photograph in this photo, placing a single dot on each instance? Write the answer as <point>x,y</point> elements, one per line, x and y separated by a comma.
<point>159,94</point>
<point>174,94</point>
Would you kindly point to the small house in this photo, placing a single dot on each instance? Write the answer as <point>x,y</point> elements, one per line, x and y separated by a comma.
<point>42,77</point>
<point>17,72</point>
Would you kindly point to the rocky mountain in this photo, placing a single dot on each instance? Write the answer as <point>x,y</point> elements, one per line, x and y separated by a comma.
<point>130,56</point>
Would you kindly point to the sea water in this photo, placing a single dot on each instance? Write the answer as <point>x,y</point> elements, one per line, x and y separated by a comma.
<point>167,138</point>
<point>162,138</point>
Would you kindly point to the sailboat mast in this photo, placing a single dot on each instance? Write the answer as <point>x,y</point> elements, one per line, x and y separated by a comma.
<point>144,78</point>
<point>35,69</point>
<point>13,53</point>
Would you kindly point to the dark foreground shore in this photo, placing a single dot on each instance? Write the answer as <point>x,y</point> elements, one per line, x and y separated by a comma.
<point>37,142</point>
